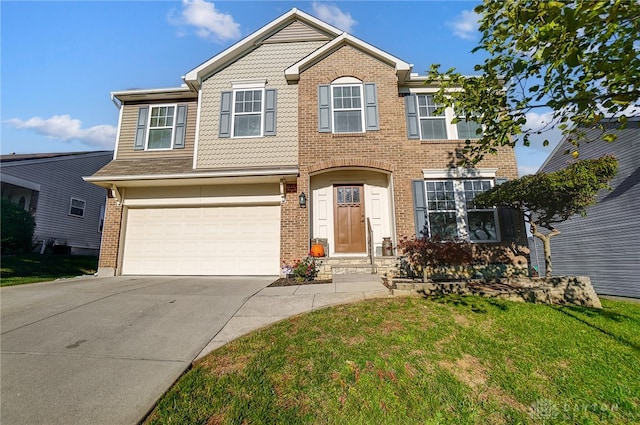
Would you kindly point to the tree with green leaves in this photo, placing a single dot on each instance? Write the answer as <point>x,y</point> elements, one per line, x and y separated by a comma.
<point>579,58</point>
<point>549,198</point>
<point>16,228</point>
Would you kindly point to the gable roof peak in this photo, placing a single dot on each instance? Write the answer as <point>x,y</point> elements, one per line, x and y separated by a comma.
<point>195,77</point>
<point>403,69</point>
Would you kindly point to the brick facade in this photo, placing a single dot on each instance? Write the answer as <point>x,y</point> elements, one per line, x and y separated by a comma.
<point>387,149</point>
<point>108,261</point>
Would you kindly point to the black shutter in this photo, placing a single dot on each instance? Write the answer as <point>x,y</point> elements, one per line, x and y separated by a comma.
<point>141,129</point>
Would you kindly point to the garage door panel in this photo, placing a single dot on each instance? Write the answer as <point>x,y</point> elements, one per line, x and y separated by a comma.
<point>203,241</point>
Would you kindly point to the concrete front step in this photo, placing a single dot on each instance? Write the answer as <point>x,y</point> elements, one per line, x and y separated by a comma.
<point>330,266</point>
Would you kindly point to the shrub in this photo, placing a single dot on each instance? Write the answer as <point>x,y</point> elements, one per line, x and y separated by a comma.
<point>16,228</point>
<point>305,270</point>
<point>423,253</point>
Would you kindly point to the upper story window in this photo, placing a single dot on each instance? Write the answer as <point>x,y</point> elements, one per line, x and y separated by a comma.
<point>76,207</point>
<point>348,114</point>
<point>467,127</point>
<point>161,127</point>
<point>247,113</point>
<point>249,110</point>
<point>424,123</point>
<point>432,124</point>
<point>347,106</point>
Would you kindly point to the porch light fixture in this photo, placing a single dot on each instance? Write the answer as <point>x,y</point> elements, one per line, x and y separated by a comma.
<point>303,200</point>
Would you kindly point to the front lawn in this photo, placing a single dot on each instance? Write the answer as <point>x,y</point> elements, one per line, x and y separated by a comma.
<point>29,268</point>
<point>416,361</point>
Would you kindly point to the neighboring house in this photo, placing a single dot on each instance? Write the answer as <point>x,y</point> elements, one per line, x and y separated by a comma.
<point>298,132</point>
<point>605,244</point>
<point>68,211</point>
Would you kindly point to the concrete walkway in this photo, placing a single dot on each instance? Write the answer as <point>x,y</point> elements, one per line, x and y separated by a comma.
<point>103,350</point>
<point>271,305</point>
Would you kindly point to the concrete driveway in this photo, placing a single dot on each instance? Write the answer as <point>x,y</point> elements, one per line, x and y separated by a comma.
<point>103,350</point>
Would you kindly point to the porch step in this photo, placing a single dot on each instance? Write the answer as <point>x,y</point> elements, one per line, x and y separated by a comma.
<point>330,266</point>
<point>353,269</point>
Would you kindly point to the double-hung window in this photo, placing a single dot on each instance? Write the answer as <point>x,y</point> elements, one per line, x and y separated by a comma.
<point>445,209</point>
<point>76,207</point>
<point>481,222</point>
<point>161,127</point>
<point>249,110</point>
<point>247,113</point>
<point>161,124</point>
<point>348,113</point>
<point>347,105</point>
<point>424,122</point>
<point>433,126</point>
<point>467,127</point>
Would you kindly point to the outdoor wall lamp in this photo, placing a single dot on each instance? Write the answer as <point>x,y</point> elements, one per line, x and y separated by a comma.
<point>303,200</point>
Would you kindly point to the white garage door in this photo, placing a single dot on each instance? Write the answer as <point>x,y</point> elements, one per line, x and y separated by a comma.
<point>242,240</point>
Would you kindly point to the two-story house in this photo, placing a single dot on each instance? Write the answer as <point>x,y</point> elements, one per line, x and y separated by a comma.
<point>297,132</point>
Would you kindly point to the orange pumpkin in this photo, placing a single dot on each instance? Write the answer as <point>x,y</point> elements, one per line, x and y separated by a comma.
<point>317,250</point>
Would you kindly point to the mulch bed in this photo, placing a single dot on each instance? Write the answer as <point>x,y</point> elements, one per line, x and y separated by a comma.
<point>283,281</point>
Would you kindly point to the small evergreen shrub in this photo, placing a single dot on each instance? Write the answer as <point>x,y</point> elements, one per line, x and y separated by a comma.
<point>16,228</point>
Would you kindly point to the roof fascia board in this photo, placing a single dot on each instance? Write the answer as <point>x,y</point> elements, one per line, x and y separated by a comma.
<point>17,181</point>
<point>69,157</point>
<point>195,77</point>
<point>151,94</point>
<point>403,69</point>
<point>108,180</point>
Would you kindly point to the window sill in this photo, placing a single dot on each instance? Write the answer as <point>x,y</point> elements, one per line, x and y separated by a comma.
<point>448,141</point>
<point>337,135</point>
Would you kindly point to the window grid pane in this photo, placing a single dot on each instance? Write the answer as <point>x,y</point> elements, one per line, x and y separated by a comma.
<point>347,106</point>
<point>248,101</point>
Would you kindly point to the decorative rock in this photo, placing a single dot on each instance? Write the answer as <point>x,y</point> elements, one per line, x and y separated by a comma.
<point>565,290</point>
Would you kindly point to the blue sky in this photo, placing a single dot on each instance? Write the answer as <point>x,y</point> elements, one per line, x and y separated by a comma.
<point>61,60</point>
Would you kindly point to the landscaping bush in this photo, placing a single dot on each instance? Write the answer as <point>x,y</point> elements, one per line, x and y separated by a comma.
<point>427,253</point>
<point>16,228</point>
<point>305,270</point>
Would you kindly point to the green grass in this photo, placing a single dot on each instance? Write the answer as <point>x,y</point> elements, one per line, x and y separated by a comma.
<point>30,268</point>
<point>416,361</point>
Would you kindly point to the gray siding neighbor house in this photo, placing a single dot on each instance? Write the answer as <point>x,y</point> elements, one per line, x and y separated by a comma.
<point>68,211</point>
<point>605,244</point>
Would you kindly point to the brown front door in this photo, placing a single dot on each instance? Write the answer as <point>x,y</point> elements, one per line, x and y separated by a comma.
<point>349,218</point>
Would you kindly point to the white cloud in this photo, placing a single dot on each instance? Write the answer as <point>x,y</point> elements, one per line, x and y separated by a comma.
<point>65,128</point>
<point>332,14</point>
<point>466,25</point>
<point>209,23</point>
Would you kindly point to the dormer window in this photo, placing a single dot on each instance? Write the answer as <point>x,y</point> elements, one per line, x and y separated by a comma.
<point>161,127</point>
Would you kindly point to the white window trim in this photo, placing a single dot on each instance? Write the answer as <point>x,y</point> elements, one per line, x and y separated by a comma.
<point>458,176</point>
<point>101,219</point>
<point>462,117</point>
<point>347,82</point>
<point>84,207</point>
<point>459,173</point>
<point>149,128</point>
<point>247,87</point>
<point>461,211</point>
<point>449,116</point>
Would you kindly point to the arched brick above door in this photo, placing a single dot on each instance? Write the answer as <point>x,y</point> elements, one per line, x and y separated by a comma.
<point>349,162</point>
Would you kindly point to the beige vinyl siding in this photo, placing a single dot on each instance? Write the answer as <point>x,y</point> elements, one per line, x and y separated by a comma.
<point>128,132</point>
<point>297,31</point>
<point>268,61</point>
